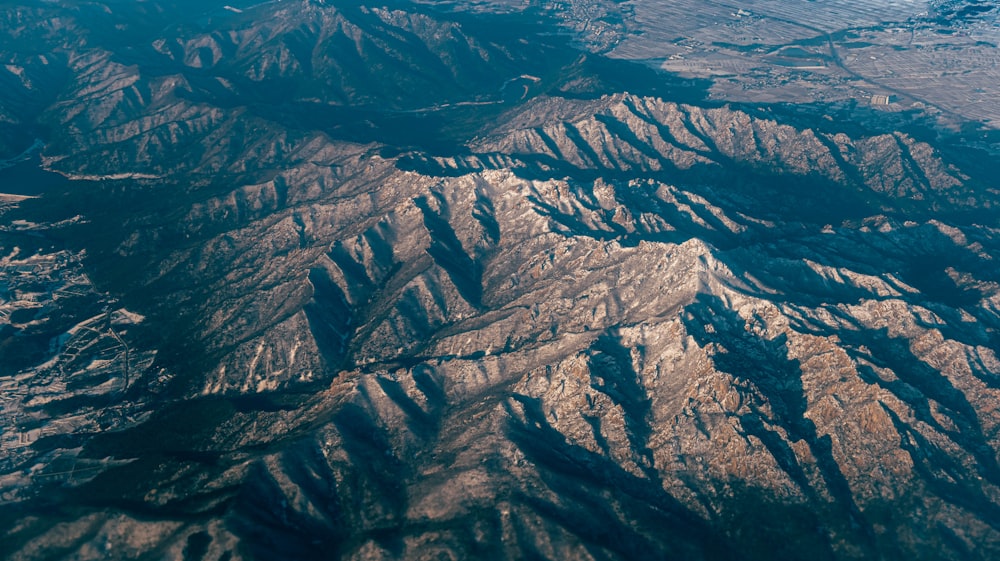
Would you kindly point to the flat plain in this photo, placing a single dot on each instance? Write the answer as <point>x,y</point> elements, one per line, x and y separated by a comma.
<point>938,57</point>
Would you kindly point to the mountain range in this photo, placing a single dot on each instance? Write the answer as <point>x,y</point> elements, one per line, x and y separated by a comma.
<point>332,280</point>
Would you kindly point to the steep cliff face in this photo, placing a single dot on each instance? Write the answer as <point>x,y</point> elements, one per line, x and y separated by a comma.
<point>603,327</point>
